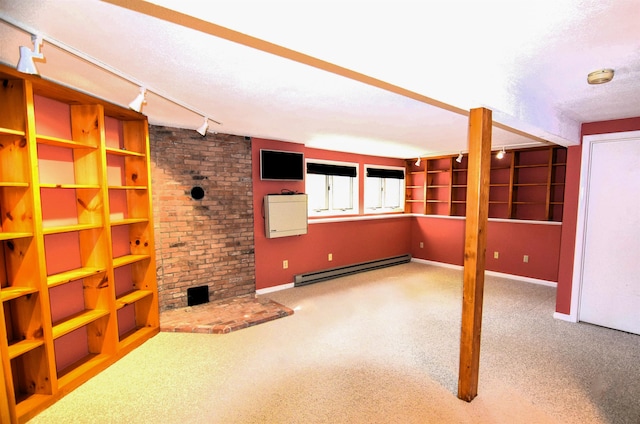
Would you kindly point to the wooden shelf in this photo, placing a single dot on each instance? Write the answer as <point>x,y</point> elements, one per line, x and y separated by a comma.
<point>130,187</point>
<point>13,184</point>
<point>23,346</point>
<point>11,236</point>
<point>75,274</point>
<point>77,321</point>
<point>537,165</point>
<point>9,131</point>
<point>61,142</point>
<point>70,186</point>
<point>70,228</point>
<point>10,293</point>
<point>123,152</point>
<point>128,221</point>
<point>530,185</point>
<point>81,368</point>
<point>131,298</point>
<point>128,259</point>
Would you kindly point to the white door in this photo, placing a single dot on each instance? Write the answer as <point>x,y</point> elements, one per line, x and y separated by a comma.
<point>610,291</point>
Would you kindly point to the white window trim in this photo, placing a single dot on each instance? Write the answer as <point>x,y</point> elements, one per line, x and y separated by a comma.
<point>402,189</point>
<point>355,194</point>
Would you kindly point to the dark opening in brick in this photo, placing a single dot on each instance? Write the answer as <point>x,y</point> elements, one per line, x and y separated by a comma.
<point>197,193</point>
<point>197,295</point>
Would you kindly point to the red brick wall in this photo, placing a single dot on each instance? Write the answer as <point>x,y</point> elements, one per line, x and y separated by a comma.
<point>209,241</point>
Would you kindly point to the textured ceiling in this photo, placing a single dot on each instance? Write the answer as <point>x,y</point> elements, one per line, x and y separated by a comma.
<point>389,78</point>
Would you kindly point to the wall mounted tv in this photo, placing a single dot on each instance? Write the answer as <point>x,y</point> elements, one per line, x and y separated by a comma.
<point>279,165</point>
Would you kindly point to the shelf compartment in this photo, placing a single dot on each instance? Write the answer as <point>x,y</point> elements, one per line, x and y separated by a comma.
<point>16,210</point>
<point>31,382</point>
<point>70,186</point>
<point>72,275</point>
<point>77,321</point>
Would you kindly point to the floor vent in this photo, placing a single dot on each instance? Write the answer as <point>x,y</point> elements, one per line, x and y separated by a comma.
<point>327,274</point>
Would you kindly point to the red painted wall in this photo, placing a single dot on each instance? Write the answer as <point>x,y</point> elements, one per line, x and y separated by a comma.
<point>443,240</point>
<point>570,216</point>
<point>349,241</point>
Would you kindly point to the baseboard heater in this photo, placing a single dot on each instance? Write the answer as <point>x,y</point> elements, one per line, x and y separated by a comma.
<point>327,274</point>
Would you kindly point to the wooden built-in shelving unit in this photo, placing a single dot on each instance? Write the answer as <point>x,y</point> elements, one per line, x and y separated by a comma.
<point>77,260</point>
<point>525,184</point>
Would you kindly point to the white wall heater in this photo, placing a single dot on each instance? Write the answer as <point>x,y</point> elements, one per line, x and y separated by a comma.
<point>285,215</point>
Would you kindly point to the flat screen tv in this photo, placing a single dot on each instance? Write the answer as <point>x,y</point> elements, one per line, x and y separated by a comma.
<point>279,165</point>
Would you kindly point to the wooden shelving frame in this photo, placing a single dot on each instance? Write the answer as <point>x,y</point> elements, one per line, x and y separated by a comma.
<point>61,314</point>
<point>526,184</point>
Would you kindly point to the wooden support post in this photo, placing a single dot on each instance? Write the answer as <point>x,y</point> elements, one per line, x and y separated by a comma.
<point>475,247</point>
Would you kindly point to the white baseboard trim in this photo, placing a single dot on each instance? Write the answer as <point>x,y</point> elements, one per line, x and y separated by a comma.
<point>440,264</point>
<point>275,288</point>
<point>492,273</point>
<point>564,317</point>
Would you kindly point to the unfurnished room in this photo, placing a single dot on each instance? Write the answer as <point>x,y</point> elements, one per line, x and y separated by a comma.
<point>319,212</point>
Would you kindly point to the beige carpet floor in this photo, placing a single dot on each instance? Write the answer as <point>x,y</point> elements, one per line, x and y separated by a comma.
<point>376,347</point>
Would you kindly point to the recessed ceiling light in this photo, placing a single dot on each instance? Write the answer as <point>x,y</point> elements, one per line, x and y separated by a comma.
<point>600,76</point>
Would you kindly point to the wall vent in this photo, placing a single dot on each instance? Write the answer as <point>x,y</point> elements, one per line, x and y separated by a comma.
<point>314,277</point>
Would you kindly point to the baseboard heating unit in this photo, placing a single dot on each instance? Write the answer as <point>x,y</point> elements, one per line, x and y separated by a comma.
<point>327,274</point>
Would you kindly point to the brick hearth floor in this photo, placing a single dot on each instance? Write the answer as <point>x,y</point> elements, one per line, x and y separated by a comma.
<point>224,316</point>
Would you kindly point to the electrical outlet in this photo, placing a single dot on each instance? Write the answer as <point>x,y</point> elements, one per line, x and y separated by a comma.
<point>285,264</point>
<point>496,255</point>
<point>330,257</point>
<point>421,245</point>
<point>525,259</point>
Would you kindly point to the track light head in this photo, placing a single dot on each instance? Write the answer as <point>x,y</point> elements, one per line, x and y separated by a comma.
<point>501,154</point>
<point>202,129</point>
<point>26,64</point>
<point>140,100</point>
<point>418,162</point>
<point>459,158</point>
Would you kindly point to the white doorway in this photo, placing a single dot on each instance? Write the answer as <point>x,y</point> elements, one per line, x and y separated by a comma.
<point>607,269</point>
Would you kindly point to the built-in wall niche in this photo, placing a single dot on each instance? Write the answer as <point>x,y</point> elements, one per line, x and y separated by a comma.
<point>525,184</point>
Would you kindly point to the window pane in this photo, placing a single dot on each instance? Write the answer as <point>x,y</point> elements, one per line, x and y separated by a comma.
<point>373,193</point>
<point>341,192</point>
<point>392,192</point>
<point>316,187</point>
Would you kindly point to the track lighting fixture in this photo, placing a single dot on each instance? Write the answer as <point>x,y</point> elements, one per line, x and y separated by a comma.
<point>202,129</point>
<point>26,64</point>
<point>418,162</point>
<point>500,154</point>
<point>601,76</point>
<point>459,158</point>
<point>137,103</point>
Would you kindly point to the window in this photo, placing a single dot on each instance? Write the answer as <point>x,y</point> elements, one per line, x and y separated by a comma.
<point>384,189</point>
<point>332,188</point>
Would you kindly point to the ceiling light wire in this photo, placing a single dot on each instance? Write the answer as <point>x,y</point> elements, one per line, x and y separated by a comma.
<point>83,56</point>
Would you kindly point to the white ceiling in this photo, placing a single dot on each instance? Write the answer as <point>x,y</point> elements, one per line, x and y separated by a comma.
<point>389,78</point>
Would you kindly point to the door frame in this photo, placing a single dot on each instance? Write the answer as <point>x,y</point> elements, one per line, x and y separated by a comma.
<point>581,225</point>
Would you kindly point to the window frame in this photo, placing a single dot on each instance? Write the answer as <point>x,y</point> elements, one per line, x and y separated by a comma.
<point>355,190</point>
<point>401,193</point>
